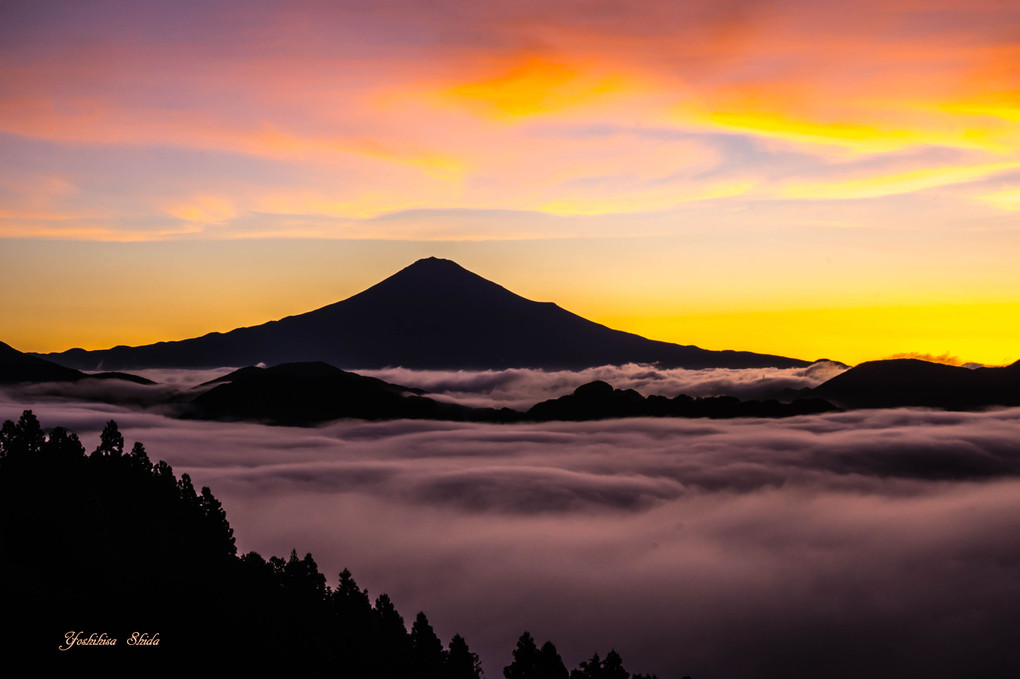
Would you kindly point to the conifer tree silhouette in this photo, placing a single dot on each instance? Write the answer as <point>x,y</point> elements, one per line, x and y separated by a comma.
<point>461,663</point>
<point>427,650</point>
<point>531,663</point>
<point>111,443</point>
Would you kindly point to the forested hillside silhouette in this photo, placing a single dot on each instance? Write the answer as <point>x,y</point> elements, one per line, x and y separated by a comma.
<point>108,545</point>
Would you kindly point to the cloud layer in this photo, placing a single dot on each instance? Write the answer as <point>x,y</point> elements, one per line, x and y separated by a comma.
<point>873,542</point>
<point>522,388</point>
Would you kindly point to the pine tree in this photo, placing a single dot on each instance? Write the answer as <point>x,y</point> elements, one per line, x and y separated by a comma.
<point>526,659</point>
<point>139,458</point>
<point>461,663</point>
<point>21,439</point>
<point>612,667</point>
<point>426,649</point>
<point>111,442</point>
<point>219,528</point>
<point>394,642</point>
<point>64,445</point>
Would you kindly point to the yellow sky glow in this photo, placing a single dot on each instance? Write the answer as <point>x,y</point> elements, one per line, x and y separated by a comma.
<point>684,161</point>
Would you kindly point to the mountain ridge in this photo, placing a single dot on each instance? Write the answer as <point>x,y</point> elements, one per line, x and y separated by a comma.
<point>17,367</point>
<point>432,314</point>
<point>911,382</point>
<point>309,394</point>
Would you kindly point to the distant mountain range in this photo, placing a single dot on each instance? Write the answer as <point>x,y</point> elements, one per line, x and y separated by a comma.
<point>17,367</point>
<point>433,314</point>
<point>302,394</point>
<point>309,393</point>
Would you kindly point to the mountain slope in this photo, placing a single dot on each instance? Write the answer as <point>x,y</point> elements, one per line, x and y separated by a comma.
<point>17,367</point>
<point>302,394</point>
<point>433,314</point>
<point>911,382</point>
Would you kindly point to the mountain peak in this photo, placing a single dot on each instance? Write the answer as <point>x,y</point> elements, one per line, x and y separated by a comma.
<point>434,266</point>
<point>434,262</point>
<point>432,281</point>
<point>433,314</point>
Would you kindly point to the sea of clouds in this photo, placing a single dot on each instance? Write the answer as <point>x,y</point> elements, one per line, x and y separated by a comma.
<point>877,543</point>
<point>523,387</point>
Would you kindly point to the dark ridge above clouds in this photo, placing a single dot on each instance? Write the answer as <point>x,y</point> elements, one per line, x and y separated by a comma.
<point>310,370</point>
<point>521,388</point>
<point>599,400</point>
<point>17,367</point>
<point>433,314</point>
<point>912,382</point>
<point>310,393</point>
<point>301,394</point>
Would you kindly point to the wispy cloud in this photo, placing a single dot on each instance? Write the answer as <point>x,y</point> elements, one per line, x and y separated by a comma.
<point>438,108</point>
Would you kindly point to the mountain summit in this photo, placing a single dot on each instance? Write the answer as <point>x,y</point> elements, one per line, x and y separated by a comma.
<point>434,314</point>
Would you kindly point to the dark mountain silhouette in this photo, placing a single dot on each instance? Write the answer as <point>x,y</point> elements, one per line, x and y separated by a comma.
<point>309,370</point>
<point>912,382</point>
<point>599,400</point>
<point>304,394</point>
<point>433,314</point>
<point>17,367</point>
<point>301,394</point>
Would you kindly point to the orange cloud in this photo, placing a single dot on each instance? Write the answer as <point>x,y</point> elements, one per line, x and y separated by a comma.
<point>205,210</point>
<point>410,111</point>
<point>533,86</point>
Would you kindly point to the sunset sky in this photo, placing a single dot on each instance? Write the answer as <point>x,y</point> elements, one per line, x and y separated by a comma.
<point>814,179</point>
